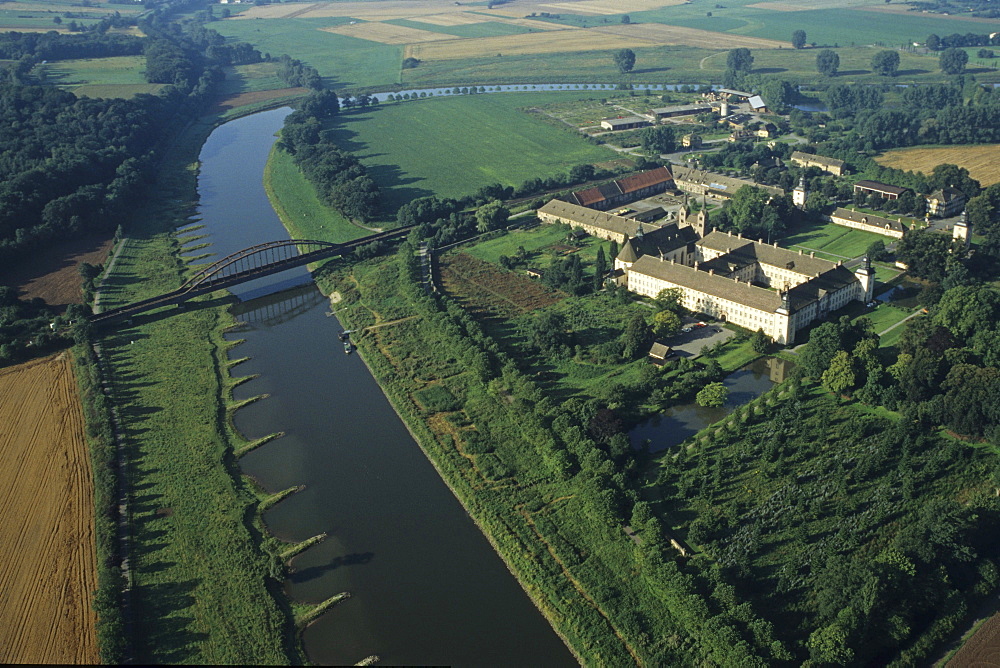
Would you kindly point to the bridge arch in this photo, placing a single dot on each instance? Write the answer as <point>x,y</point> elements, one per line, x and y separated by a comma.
<point>255,257</point>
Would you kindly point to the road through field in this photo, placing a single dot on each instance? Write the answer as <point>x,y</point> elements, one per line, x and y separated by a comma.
<point>47,562</point>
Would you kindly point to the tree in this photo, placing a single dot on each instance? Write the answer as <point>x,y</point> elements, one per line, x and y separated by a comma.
<point>547,331</point>
<point>636,334</point>
<point>600,268</point>
<point>840,376</point>
<point>669,299</point>
<point>624,60</point>
<point>739,60</point>
<point>759,341</point>
<point>886,63</point>
<point>953,60</point>
<point>933,42</point>
<point>666,324</point>
<point>827,62</point>
<point>876,251</point>
<point>659,139</point>
<point>626,19</point>
<point>799,39</point>
<point>712,395</point>
<point>491,216</point>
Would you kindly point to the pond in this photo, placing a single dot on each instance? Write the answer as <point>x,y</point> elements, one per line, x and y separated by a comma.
<point>671,427</point>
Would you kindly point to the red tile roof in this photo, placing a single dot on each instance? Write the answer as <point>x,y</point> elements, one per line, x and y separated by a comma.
<point>645,179</point>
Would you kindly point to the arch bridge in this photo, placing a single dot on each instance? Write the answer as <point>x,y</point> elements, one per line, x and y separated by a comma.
<point>245,265</point>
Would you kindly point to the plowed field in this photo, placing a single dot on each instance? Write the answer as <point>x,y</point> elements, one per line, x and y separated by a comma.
<point>982,650</point>
<point>489,291</point>
<point>47,562</point>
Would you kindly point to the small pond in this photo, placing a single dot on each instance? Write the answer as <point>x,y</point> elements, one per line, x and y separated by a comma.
<point>674,425</point>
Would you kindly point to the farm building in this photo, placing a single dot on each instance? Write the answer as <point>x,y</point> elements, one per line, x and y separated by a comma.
<point>701,182</point>
<point>767,131</point>
<point>869,223</point>
<point>691,141</point>
<point>757,104</point>
<point>753,284</point>
<point>828,165</point>
<point>625,190</point>
<point>883,190</point>
<point>659,352</point>
<point>681,110</point>
<point>729,92</point>
<point>628,123</point>
<point>596,223</point>
<point>946,202</point>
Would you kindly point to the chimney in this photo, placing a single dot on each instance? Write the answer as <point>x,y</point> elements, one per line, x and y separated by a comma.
<point>696,264</point>
<point>671,260</point>
<point>840,262</point>
<point>800,251</point>
<point>711,272</point>
<point>761,240</point>
<point>812,253</point>
<point>729,232</point>
<point>775,244</point>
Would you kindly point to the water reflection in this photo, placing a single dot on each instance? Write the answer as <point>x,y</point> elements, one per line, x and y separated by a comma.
<point>674,425</point>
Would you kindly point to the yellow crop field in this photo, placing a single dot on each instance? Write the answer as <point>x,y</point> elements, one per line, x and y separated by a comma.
<point>48,567</point>
<point>659,34</point>
<point>386,33</point>
<point>466,18</point>
<point>548,42</point>
<point>367,11</point>
<point>981,161</point>
<point>606,7</point>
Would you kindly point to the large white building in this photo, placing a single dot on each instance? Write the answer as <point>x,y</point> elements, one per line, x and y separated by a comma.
<point>753,284</point>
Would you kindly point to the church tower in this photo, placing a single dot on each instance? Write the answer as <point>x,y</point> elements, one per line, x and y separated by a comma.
<point>700,225</point>
<point>866,276</point>
<point>800,193</point>
<point>962,231</point>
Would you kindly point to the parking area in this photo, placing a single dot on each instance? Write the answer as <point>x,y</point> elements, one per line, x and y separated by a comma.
<point>690,343</point>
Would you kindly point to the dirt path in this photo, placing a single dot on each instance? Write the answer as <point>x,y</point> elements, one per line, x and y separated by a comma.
<point>47,559</point>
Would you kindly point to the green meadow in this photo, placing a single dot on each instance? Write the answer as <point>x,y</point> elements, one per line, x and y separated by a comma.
<point>117,76</point>
<point>344,62</point>
<point>451,147</point>
<point>832,241</point>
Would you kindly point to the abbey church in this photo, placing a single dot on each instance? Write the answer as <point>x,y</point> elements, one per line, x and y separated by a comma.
<point>725,276</point>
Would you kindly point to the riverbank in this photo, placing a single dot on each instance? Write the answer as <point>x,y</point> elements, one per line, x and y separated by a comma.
<point>202,576</point>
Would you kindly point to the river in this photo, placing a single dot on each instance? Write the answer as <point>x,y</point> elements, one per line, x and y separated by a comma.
<point>426,586</point>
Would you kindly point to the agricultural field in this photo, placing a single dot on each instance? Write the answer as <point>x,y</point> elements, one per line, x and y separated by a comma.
<point>441,150</point>
<point>491,292</point>
<point>981,161</point>
<point>48,567</point>
<point>118,76</point>
<point>832,242</point>
<point>52,272</point>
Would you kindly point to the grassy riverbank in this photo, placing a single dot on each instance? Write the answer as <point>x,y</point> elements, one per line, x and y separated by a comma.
<point>202,583</point>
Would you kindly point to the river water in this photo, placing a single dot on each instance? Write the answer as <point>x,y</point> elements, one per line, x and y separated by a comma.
<point>426,586</point>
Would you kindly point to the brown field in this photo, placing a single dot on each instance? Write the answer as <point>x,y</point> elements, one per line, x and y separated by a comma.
<point>243,99</point>
<point>386,33</point>
<point>804,5</point>
<point>981,161</point>
<point>367,11</point>
<point>52,273</point>
<point>982,650</point>
<point>659,34</point>
<point>488,291</point>
<point>47,561</point>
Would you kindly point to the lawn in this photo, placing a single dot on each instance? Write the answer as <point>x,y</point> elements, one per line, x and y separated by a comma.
<point>885,316</point>
<point>440,146</point>
<point>832,242</point>
<point>344,62</point>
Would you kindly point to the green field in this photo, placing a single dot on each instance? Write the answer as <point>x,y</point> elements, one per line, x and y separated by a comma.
<point>344,62</point>
<point>832,242</point>
<point>450,147</point>
<point>118,76</point>
<point>295,201</point>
